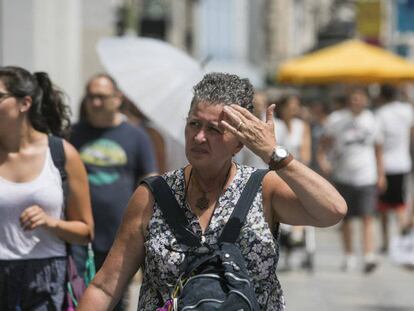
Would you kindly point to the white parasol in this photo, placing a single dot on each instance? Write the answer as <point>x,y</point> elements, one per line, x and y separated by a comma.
<point>156,76</point>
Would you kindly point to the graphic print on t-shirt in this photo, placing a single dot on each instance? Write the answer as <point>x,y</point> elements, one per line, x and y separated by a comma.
<point>355,135</point>
<point>103,154</point>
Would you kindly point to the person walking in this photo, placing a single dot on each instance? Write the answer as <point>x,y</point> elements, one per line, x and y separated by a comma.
<point>36,221</point>
<point>219,124</point>
<point>318,113</point>
<point>350,154</point>
<point>294,133</point>
<point>396,121</point>
<point>116,155</point>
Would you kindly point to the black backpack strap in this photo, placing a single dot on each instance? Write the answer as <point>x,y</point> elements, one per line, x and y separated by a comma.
<point>173,213</point>
<point>59,160</point>
<point>231,230</point>
<point>58,156</point>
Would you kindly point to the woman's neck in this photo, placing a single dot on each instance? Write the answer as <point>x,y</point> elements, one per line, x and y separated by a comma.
<point>23,135</point>
<point>208,179</point>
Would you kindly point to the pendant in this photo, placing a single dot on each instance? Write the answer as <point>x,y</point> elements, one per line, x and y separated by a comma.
<point>202,202</point>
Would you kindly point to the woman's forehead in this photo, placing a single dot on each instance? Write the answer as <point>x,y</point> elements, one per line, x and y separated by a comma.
<point>206,110</point>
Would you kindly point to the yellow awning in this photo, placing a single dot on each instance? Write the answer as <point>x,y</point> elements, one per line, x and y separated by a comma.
<point>351,61</point>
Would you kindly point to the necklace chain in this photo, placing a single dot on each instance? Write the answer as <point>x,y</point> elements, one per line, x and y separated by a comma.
<point>203,202</point>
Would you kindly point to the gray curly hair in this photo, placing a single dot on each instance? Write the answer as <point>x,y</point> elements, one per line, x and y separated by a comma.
<point>223,89</point>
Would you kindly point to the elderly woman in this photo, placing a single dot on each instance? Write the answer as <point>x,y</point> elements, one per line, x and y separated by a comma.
<point>219,124</point>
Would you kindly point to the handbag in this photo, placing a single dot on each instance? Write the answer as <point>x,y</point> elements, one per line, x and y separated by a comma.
<point>74,287</point>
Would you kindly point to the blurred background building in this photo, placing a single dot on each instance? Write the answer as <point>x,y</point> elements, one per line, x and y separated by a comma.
<point>248,37</point>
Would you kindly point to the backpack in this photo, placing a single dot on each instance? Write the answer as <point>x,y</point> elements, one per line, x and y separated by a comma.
<point>212,277</point>
<point>75,285</point>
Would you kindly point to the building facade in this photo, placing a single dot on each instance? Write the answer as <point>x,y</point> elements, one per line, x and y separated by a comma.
<point>248,37</point>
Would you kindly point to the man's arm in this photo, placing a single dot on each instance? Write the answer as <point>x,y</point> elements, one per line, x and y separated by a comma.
<point>382,182</point>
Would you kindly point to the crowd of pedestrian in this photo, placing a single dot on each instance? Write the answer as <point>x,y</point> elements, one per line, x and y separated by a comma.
<point>361,154</point>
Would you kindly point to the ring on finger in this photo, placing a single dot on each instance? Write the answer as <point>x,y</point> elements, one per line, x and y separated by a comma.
<point>239,126</point>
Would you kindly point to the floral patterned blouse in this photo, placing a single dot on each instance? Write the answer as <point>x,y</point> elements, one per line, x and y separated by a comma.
<point>258,246</point>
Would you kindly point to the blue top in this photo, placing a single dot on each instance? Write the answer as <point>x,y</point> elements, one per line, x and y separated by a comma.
<point>115,159</point>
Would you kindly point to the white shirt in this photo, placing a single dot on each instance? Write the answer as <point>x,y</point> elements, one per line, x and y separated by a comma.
<point>46,191</point>
<point>353,150</point>
<point>395,121</point>
<point>292,139</point>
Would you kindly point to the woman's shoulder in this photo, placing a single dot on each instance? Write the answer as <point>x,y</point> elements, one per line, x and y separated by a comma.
<point>174,178</point>
<point>244,171</point>
<point>70,150</point>
<point>298,121</point>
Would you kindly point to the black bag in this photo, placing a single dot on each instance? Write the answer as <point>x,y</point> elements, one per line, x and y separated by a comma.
<point>213,277</point>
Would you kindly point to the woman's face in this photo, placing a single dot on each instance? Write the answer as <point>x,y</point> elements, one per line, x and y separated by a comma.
<point>291,109</point>
<point>9,106</point>
<point>206,143</point>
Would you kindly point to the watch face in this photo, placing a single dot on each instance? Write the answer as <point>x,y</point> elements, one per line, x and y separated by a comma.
<point>281,153</point>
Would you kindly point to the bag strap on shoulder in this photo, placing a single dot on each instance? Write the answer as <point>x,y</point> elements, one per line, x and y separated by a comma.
<point>59,160</point>
<point>173,213</point>
<point>231,230</point>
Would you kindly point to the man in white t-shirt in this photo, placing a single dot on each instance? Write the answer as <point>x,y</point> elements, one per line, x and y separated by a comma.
<point>350,155</point>
<point>396,121</point>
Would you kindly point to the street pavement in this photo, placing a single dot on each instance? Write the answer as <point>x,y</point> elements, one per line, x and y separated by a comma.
<point>327,288</point>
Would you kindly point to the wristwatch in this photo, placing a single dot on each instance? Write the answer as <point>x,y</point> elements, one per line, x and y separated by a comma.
<point>280,158</point>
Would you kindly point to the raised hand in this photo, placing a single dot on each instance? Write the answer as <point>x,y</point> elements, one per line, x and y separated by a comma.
<point>255,134</point>
<point>34,216</point>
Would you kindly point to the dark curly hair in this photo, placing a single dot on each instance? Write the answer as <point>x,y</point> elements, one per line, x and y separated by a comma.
<point>224,89</point>
<point>49,113</point>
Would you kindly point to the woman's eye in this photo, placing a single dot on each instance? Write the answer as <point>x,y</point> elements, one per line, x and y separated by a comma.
<point>194,124</point>
<point>214,130</point>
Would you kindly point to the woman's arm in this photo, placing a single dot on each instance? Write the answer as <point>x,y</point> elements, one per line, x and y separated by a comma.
<point>296,194</point>
<point>299,196</point>
<point>78,226</point>
<point>125,257</point>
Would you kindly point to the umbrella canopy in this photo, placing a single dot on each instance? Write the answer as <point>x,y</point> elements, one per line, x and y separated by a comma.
<point>156,76</point>
<point>351,61</point>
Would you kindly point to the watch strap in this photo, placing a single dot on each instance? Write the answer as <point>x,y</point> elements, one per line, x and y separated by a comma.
<point>275,166</point>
